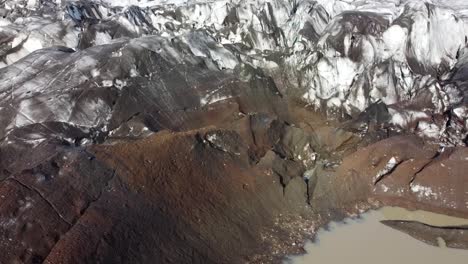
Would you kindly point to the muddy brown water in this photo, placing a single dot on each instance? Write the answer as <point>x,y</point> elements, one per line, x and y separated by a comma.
<point>365,240</point>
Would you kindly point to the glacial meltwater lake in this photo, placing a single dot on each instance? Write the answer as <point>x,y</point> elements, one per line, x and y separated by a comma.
<point>365,240</point>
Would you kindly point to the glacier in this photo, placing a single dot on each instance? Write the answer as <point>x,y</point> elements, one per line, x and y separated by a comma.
<point>339,56</point>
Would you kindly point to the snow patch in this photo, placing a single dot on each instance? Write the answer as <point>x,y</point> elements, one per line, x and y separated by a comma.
<point>423,190</point>
<point>391,164</point>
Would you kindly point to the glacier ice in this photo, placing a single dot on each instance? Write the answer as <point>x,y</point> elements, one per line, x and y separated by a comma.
<point>340,56</point>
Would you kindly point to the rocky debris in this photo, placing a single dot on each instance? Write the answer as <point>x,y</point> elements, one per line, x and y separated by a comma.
<point>226,141</point>
<point>29,225</point>
<point>212,196</point>
<point>295,144</point>
<point>185,196</point>
<point>203,188</point>
<point>286,169</point>
<point>417,175</point>
<point>41,204</point>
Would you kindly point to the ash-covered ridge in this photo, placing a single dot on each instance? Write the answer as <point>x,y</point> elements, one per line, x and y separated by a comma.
<point>342,57</point>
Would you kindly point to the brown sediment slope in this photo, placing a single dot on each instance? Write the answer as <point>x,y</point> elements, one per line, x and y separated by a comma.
<point>230,193</point>
<point>220,195</point>
<point>213,195</point>
<point>221,205</point>
<point>404,171</point>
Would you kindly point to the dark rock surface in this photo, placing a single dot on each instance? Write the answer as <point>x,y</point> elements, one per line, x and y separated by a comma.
<point>39,205</point>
